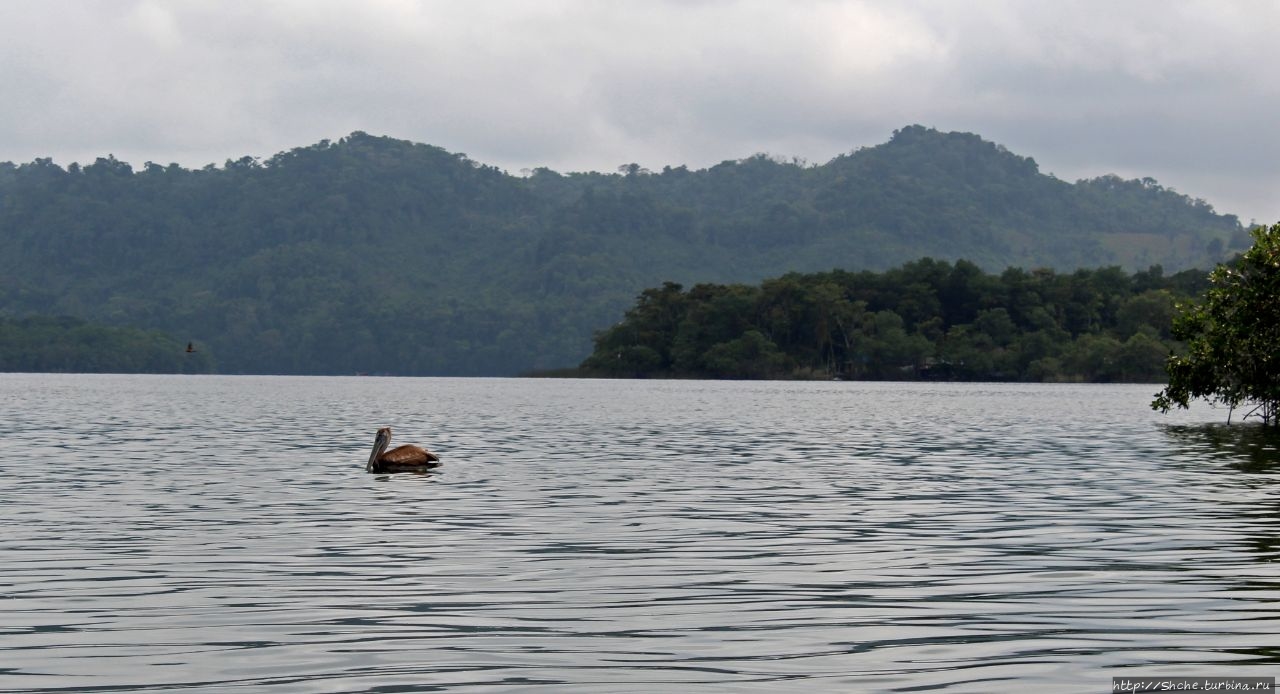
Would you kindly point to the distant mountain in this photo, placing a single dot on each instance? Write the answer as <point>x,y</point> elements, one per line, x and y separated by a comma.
<point>377,255</point>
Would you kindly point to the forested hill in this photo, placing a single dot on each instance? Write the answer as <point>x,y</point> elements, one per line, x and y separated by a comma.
<point>377,255</point>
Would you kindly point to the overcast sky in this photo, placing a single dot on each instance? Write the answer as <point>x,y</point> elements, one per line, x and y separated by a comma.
<point>1185,92</point>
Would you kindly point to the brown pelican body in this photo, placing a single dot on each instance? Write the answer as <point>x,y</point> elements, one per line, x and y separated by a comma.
<point>400,458</point>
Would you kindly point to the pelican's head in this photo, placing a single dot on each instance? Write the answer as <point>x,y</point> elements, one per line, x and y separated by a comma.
<point>380,442</point>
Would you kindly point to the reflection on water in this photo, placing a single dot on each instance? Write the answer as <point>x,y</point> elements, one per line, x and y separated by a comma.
<point>1251,448</point>
<point>220,534</point>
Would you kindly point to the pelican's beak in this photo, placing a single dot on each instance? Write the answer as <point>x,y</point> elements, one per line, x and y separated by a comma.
<point>379,445</point>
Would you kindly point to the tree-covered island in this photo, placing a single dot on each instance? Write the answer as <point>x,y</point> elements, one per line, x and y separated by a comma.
<point>926,319</point>
<point>62,344</point>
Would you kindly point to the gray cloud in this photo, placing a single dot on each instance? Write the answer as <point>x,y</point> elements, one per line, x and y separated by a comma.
<point>1181,91</point>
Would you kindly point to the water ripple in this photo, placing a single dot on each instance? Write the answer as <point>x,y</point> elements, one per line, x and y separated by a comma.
<point>211,533</point>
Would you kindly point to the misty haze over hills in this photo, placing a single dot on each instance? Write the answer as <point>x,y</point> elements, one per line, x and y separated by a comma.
<point>372,254</point>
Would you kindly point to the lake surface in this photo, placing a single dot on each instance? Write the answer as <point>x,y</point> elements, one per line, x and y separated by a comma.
<point>167,533</point>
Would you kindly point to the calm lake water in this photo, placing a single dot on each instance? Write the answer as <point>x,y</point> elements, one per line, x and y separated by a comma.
<point>166,533</point>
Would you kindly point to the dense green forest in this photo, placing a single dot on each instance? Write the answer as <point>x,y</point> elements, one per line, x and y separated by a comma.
<point>927,319</point>
<point>371,254</point>
<point>64,344</point>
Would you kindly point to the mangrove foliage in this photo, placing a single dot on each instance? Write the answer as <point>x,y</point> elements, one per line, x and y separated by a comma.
<point>1233,336</point>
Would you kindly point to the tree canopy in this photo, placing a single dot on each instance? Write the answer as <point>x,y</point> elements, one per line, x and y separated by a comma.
<point>1233,336</point>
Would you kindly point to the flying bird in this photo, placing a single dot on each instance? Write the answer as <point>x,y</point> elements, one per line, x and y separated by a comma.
<point>399,459</point>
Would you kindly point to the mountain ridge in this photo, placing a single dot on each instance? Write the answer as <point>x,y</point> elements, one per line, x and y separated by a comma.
<point>372,254</point>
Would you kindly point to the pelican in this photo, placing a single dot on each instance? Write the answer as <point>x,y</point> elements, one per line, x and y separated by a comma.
<point>399,459</point>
